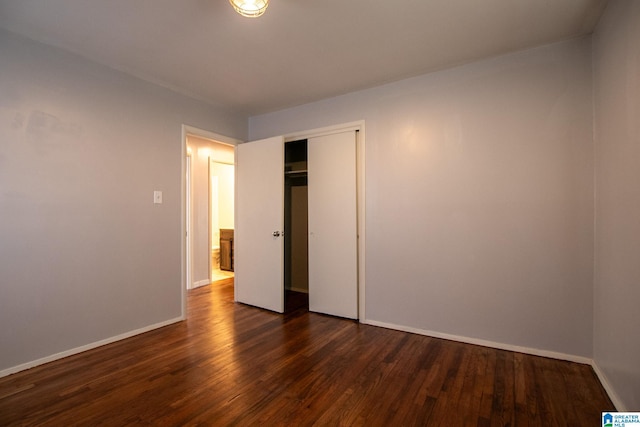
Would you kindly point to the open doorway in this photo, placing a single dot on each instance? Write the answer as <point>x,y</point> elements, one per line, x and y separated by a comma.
<point>221,215</point>
<point>209,208</point>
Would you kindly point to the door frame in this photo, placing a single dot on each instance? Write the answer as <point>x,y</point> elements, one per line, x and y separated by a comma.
<point>188,220</point>
<point>359,128</point>
<point>186,264</point>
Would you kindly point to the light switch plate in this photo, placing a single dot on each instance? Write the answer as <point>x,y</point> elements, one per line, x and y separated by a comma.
<point>157,197</point>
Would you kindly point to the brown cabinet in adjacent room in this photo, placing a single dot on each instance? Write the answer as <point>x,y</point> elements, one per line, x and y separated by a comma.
<point>226,249</point>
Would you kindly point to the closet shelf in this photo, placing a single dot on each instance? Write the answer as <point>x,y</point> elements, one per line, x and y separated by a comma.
<point>297,172</point>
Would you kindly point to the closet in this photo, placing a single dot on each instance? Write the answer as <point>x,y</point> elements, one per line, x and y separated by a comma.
<point>264,196</point>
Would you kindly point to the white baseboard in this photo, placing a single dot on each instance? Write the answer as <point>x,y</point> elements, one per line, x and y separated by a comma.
<point>83,348</point>
<point>199,283</point>
<point>617,402</point>
<point>484,343</point>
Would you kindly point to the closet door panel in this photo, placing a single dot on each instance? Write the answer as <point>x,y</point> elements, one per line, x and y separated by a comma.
<point>333,252</point>
<point>259,252</point>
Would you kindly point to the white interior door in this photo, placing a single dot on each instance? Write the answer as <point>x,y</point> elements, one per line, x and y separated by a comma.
<point>259,241</point>
<point>333,244</point>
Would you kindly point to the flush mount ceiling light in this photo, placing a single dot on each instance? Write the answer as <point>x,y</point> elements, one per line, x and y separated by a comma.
<point>250,8</point>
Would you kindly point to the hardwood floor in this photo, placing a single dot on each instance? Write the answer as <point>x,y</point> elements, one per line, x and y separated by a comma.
<point>231,364</point>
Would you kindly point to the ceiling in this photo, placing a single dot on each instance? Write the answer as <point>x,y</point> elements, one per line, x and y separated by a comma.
<point>300,50</point>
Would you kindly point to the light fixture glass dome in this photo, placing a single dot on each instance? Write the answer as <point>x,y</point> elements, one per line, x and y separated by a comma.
<point>250,8</point>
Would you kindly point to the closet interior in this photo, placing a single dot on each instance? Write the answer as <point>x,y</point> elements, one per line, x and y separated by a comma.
<point>296,244</point>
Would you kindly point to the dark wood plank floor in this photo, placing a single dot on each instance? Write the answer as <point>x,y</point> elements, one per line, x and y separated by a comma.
<point>230,364</point>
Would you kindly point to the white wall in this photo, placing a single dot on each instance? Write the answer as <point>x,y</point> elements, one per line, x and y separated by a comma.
<point>226,195</point>
<point>299,263</point>
<point>479,197</point>
<point>84,253</point>
<point>617,136</point>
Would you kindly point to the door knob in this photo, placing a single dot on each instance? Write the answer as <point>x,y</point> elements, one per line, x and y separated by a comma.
<point>276,234</point>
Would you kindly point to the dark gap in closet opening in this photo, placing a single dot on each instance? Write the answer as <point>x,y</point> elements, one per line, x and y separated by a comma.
<point>296,259</point>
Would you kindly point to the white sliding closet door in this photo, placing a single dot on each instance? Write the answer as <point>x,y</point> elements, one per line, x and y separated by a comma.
<point>259,243</point>
<point>333,240</point>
